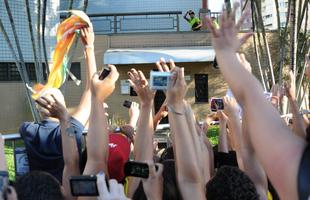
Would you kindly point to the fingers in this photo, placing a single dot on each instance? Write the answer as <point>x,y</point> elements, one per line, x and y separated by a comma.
<point>113,75</point>
<point>164,65</point>
<point>152,169</point>
<point>243,17</point>
<point>160,169</point>
<point>102,186</point>
<point>180,78</point>
<point>245,37</point>
<point>172,64</point>
<point>211,26</point>
<point>113,185</point>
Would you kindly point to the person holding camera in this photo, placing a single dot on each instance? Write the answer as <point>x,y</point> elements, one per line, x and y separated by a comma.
<point>194,22</point>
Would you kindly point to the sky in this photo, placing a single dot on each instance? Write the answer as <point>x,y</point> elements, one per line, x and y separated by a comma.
<point>215,5</point>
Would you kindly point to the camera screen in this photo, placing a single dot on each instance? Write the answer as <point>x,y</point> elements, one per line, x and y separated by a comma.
<point>84,188</point>
<point>217,104</point>
<point>160,81</point>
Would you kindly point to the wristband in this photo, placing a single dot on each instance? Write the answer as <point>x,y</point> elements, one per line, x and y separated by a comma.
<point>174,111</point>
<point>89,46</point>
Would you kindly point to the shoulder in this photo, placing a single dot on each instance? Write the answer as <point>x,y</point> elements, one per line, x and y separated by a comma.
<point>25,126</point>
<point>77,125</point>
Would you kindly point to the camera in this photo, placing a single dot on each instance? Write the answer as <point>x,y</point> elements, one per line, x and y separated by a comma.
<point>159,80</point>
<point>85,185</point>
<point>127,104</point>
<point>137,169</point>
<point>105,72</point>
<point>217,104</point>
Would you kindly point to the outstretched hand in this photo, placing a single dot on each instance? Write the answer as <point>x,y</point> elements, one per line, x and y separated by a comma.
<point>102,89</point>
<point>141,86</point>
<point>226,37</point>
<point>231,107</point>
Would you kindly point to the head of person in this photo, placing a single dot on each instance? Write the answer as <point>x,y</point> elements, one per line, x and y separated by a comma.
<point>119,152</point>
<point>191,13</point>
<point>232,184</point>
<point>38,185</point>
<point>47,93</point>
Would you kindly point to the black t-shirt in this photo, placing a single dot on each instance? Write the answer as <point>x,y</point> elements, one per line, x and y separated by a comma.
<point>304,175</point>
<point>43,144</point>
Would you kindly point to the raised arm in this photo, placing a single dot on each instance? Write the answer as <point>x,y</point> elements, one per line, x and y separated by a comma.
<point>162,113</point>
<point>134,113</point>
<point>185,16</point>
<point>97,137</point>
<point>223,143</point>
<point>299,125</point>
<point>55,109</point>
<point>187,166</point>
<point>269,134</point>
<point>143,146</point>
<point>82,112</point>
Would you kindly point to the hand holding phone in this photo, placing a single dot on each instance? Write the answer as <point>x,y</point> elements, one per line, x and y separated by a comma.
<point>105,72</point>
<point>127,104</point>
<point>216,104</point>
<point>84,185</point>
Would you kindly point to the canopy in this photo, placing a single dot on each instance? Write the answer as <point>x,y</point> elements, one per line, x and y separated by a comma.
<point>151,55</point>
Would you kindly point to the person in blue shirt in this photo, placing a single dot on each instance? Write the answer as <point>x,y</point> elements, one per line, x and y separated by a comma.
<point>43,139</point>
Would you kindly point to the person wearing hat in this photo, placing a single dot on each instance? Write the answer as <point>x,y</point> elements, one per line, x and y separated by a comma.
<point>194,22</point>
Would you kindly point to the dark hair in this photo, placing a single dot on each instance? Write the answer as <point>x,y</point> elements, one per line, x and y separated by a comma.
<point>170,188</point>
<point>230,183</point>
<point>38,185</point>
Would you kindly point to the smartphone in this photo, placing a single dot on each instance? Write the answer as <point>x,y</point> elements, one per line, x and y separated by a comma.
<point>159,80</point>
<point>105,72</point>
<point>127,104</point>
<point>136,169</point>
<point>84,185</point>
<point>217,104</point>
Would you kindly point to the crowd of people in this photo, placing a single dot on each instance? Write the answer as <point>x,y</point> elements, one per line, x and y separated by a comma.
<point>259,156</point>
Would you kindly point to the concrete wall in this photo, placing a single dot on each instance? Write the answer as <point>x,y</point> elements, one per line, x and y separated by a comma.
<point>14,108</point>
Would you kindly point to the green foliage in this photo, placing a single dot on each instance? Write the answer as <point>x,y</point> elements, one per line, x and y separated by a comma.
<point>213,135</point>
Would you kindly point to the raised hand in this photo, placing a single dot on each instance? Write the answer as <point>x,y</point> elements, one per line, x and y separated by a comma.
<point>134,113</point>
<point>246,64</point>
<point>141,86</point>
<point>53,108</point>
<point>115,191</point>
<point>226,37</point>
<point>162,66</point>
<point>231,107</point>
<point>104,88</point>
<point>177,90</point>
<point>87,36</point>
<point>153,185</point>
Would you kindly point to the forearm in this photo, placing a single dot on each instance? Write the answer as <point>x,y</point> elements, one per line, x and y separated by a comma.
<point>144,137</point>
<point>69,146</point>
<point>223,145</point>
<point>156,120</point>
<point>97,138</point>
<point>83,110</point>
<point>299,126</point>
<point>186,161</point>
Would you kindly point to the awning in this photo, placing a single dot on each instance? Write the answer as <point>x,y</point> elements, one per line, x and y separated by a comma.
<point>151,55</point>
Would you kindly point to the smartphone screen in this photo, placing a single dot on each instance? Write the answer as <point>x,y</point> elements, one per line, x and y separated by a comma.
<point>105,72</point>
<point>217,104</point>
<point>84,186</point>
<point>127,104</point>
<point>136,169</point>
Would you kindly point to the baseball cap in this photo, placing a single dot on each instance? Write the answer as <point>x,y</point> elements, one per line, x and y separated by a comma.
<point>119,151</point>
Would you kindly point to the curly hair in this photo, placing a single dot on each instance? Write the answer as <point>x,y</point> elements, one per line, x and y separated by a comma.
<point>230,183</point>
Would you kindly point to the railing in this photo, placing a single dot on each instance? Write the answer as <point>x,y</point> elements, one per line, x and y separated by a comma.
<point>106,23</point>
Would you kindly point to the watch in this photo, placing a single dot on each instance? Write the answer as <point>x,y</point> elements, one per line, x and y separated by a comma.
<point>70,131</point>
